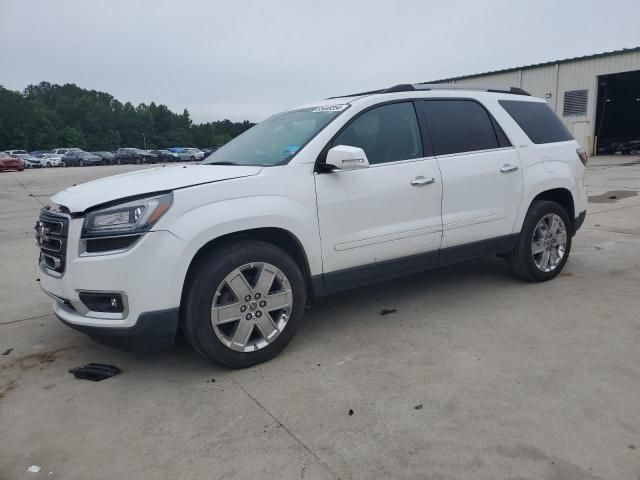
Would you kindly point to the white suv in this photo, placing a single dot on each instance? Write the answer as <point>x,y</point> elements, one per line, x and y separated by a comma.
<point>320,198</point>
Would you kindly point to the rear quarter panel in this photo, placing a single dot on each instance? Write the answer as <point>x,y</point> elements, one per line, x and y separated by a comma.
<point>545,166</point>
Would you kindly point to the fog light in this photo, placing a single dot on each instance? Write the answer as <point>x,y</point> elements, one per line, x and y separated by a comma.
<point>103,302</point>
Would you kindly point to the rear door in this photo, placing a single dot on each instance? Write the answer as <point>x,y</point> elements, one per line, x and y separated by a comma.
<point>389,210</point>
<point>481,174</point>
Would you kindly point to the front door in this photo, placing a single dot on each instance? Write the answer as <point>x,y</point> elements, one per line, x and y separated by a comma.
<point>389,210</point>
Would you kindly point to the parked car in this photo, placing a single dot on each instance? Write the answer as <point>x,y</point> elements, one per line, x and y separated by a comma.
<point>49,159</point>
<point>133,155</point>
<point>377,185</point>
<point>27,160</point>
<point>165,155</point>
<point>80,159</point>
<point>64,151</point>
<point>30,161</point>
<point>208,151</point>
<point>8,162</point>
<point>107,157</point>
<point>191,154</point>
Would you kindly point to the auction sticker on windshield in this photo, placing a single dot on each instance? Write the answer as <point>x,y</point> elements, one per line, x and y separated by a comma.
<point>330,108</point>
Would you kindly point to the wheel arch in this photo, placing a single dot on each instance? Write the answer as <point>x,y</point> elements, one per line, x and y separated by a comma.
<point>563,197</point>
<point>279,237</point>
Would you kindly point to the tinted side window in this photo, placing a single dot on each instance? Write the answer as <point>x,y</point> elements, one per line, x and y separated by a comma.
<point>537,120</point>
<point>386,134</point>
<point>459,126</point>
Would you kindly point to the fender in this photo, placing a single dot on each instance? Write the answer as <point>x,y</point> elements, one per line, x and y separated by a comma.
<point>241,214</point>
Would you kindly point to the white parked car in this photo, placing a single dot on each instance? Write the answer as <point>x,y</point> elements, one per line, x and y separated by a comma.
<point>313,200</point>
<point>17,153</point>
<point>49,159</point>
<point>64,151</point>
<point>191,154</point>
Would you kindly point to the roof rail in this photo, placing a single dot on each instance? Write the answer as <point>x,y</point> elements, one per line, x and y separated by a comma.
<point>407,87</point>
<point>454,86</point>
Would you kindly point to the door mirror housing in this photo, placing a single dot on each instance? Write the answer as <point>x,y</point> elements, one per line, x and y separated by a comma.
<point>344,157</point>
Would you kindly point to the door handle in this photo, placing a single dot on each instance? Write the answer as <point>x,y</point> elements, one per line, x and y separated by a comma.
<point>508,168</point>
<point>420,180</point>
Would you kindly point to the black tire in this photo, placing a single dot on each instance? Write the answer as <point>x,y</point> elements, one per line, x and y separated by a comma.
<point>48,164</point>
<point>521,259</point>
<point>64,164</point>
<point>193,159</point>
<point>138,161</point>
<point>200,289</point>
<point>80,163</point>
<point>119,162</point>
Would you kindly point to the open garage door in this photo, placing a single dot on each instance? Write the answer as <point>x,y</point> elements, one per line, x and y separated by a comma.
<point>618,114</point>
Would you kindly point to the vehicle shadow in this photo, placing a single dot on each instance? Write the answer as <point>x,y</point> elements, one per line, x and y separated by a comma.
<point>379,300</point>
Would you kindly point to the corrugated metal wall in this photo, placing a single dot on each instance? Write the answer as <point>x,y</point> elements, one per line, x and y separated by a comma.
<point>551,81</point>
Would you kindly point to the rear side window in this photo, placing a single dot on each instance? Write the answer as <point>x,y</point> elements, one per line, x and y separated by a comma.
<point>459,126</point>
<point>386,134</point>
<point>537,120</point>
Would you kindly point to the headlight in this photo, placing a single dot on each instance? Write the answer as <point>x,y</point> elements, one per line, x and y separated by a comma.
<point>130,218</point>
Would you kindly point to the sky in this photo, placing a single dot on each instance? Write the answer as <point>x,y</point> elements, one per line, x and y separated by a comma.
<point>242,59</point>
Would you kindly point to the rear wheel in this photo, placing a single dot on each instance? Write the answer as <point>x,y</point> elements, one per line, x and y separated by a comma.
<point>48,164</point>
<point>544,243</point>
<point>243,303</point>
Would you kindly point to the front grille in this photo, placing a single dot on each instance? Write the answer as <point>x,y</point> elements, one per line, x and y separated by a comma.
<point>52,230</point>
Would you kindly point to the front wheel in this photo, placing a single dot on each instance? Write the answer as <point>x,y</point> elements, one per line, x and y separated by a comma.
<point>243,303</point>
<point>544,243</point>
<point>48,164</point>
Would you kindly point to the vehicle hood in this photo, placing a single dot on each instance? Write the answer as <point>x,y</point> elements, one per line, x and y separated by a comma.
<point>81,197</point>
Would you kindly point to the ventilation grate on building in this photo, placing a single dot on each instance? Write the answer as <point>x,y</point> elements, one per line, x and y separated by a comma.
<point>575,103</point>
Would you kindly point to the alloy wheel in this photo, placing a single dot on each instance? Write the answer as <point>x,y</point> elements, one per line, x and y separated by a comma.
<point>549,242</point>
<point>251,307</point>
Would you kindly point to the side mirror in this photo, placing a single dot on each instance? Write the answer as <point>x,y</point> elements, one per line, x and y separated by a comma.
<point>344,157</point>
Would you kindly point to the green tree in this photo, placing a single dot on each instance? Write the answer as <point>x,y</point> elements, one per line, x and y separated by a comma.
<point>46,116</point>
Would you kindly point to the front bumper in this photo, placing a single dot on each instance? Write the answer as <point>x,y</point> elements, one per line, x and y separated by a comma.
<point>153,330</point>
<point>148,276</point>
<point>579,220</point>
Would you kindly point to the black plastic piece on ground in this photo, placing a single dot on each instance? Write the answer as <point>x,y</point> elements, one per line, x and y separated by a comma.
<point>95,371</point>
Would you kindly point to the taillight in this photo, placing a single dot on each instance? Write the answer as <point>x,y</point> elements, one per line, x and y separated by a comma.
<point>583,156</point>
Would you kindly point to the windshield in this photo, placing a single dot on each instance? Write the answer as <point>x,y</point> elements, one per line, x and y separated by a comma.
<point>276,140</point>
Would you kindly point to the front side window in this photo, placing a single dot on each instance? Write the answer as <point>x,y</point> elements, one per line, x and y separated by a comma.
<point>276,140</point>
<point>386,134</point>
<point>458,126</point>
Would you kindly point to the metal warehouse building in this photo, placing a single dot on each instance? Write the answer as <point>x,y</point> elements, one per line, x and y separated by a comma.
<point>597,96</point>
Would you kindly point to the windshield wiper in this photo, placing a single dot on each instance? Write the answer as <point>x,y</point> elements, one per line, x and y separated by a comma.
<point>221,163</point>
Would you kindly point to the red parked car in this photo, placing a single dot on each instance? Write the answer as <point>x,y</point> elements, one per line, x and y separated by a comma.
<point>7,162</point>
